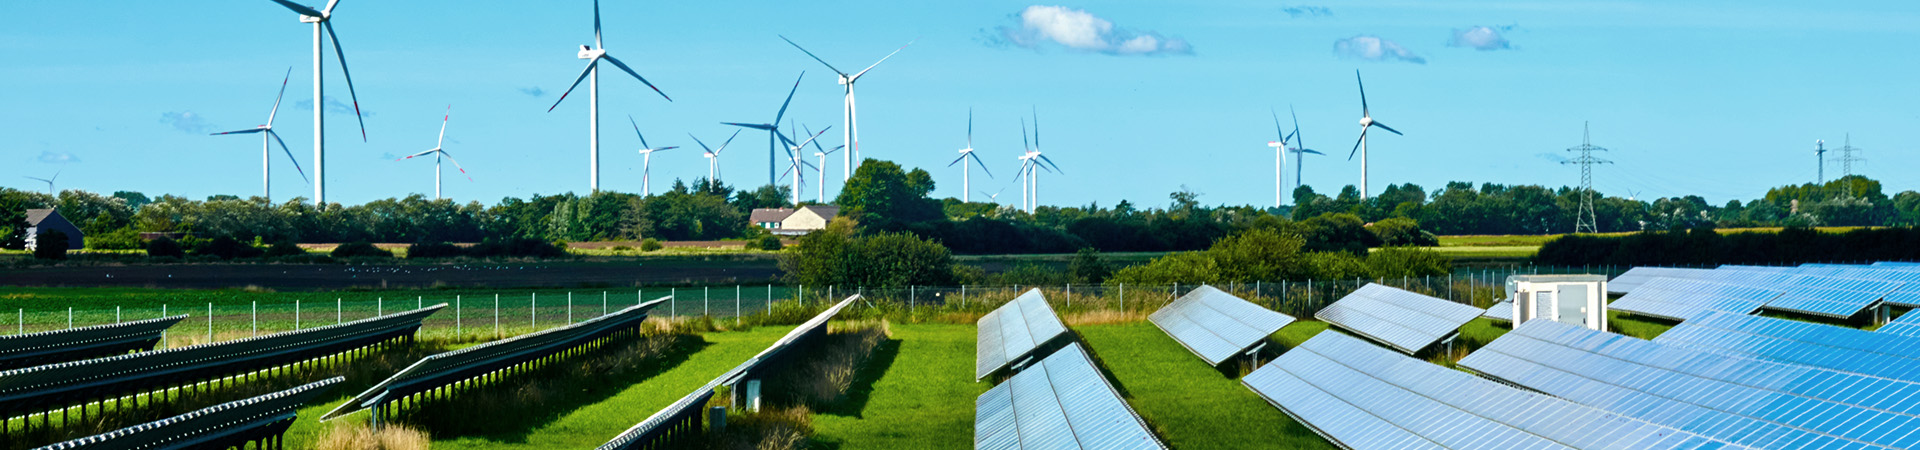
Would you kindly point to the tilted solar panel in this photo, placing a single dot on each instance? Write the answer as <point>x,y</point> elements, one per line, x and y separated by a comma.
<point>1061,402</point>
<point>1013,331</point>
<point>1404,320</point>
<point>1533,356</point>
<point>1362,396</point>
<point>73,344</point>
<point>1832,297</point>
<point>1680,299</point>
<point>230,424</point>
<point>1907,325</point>
<point>1216,325</point>
<point>1634,277</point>
<point>1502,311</point>
<point>1843,349</point>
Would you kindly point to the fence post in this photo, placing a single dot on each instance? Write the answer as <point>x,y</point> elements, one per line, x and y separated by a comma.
<point>23,321</point>
<point>1069,295</point>
<point>1310,293</point>
<point>603,303</point>
<point>379,306</point>
<point>706,301</point>
<point>736,304</point>
<point>533,310</point>
<point>456,315</point>
<point>69,317</point>
<point>209,322</point>
<point>1123,297</point>
<point>1256,291</point>
<point>336,311</point>
<point>116,314</point>
<point>912,298</point>
<point>769,299</point>
<point>569,307</point>
<point>256,317</point>
<point>963,295</point>
<point>296,314</point>
<point>163,332</point>
<point>673,302</point>
<point>496,315</point>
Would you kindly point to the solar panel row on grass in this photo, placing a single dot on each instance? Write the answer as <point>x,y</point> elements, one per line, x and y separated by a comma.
<point>73,344</point>
<point>1014,331</point>
<point>1216,325</point>
<point>1406,321</point>
<point>1061,402</point>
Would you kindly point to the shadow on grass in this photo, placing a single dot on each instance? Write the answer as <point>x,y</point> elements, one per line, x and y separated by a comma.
<point>876,368</point>
<point>513,410</point>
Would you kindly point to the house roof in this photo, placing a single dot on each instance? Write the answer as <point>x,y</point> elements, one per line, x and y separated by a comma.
<point>825,211</point>
<point>34,216</point>
<point>764,215</point>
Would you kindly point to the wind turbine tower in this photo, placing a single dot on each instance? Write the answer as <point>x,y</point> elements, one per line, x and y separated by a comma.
<point>1366,123</point>
<point>439,152</point>
<point>267,138</point>
<point>322,20</point>
<point>1584,221</point>
<point>593,55</point>
<point>1300,150</point>
<point>966,172</point>
<point>850,120</point>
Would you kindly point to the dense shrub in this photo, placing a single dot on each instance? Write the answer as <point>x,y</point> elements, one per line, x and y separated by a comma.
<point>120,239</point>
<point>1334,266</point>
<point>649,244</point>
<point>433,250</point>
<point>1402,232</point>
<point>1088,267</point>
<point>1182,267</point>
<point>834,256</point>
<point>517,247</point>
<point>359,249</point>
<point>767,242</point>
<point>285,249</point>
<point>226,247</point>
<point>1333,232</point>
<point>165,247</point>
<point>1031,275</point>
<point>1396,262</point>
<point>1705,247</point>
<point>51,245</point>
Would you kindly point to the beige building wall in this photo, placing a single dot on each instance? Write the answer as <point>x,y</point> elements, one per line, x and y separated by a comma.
<point>804,219</point>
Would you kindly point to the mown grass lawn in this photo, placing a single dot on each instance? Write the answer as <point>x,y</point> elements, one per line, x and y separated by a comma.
<point>1191,405</point>
<point>917,393</point>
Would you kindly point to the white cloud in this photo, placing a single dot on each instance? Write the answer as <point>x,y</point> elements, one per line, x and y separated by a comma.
<point>535,91</point>
<point>53,157</point>
<point>189,122</point>
<point>1373,48</point>
<point>1307,11</point>
<point>1483,38</point>
<point>1080,30</point>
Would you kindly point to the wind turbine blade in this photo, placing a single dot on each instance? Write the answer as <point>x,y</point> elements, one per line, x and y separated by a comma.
<point>295,161</point>
<point>342,54</point>
<point>883,59</point>
<point>443,128</point>
<point>1297,140</point>
<point>983,165</point>
<point>1363,93</point>
<point>723,145</point>
<point>636,132</point>
<point>43,180</point>
<point>703,145</point>
<point>969,126</point>
<point>957,160</point>
<point>456,164</point>
<point>783,105</point>
<point>424,153</point>
<point>596,23</point>
<point>1356,144</point>
<point>576,84</point>
<point>1282,132</point>
<point>299,8</point>
<point>636,75</point>
<point>1023,135</point>
<point>1049,161</point>
<point>1316,152</point>
<point>1385,127</point>
<point>836,148</point>
<point>815,57</point>
<point>756,126</point>
<point>276,98</point>
<point>816,143</point>
<point>330,5</point>
<point>815,136</point>
<point>1036,127</point>
<point>246,131</point>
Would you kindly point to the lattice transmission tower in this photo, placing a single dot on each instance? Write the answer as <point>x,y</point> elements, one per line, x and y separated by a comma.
<point>1847,158</point>
<point>1585,221</point>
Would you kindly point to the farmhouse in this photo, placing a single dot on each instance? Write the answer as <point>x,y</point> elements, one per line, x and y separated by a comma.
<point>44,220</point>
<point>794,221</point>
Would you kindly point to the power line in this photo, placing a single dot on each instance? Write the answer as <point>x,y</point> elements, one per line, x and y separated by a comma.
<point>1585,221</point>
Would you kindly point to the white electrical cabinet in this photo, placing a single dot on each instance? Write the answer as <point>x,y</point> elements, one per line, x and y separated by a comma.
<point>1571,299</point>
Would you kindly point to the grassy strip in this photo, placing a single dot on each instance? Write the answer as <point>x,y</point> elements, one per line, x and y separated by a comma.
<point>1189,404</point>
<point>923,402</point>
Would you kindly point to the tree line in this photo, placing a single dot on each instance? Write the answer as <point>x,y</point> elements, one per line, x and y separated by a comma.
<point>1706,247</point>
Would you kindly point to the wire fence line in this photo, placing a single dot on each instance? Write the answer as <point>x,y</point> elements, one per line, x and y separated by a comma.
<point>470,317</point>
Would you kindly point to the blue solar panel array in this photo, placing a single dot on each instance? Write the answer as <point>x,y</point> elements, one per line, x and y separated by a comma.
<point>1404,320</point>
<point>1831,297</point>
<point>1013,331</point>
<point>1634,277</point>
<point>1907,325</point>
<point>1216,325</point>
<point>1362,396</point>
<point>1681,299</point>
<point>1749,402</point>
<point>1502,311</point>
<point>1061,402</point>
<point>1844,349</point>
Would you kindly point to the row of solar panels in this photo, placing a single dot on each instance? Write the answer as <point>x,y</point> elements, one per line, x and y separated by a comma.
<point>1056,398</point>
<point>55,385</point>
<point>74,344</point>
<point>646,433</point>
<point>1830,290</point>
<point>447,368</point>
<point>225,425</point>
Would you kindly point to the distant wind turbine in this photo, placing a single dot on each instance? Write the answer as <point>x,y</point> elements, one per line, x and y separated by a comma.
<point>49,181</point>
<point>323,19</point>
<point>646,154</point>
<point>713,155</point>
<point>1366,122</point>
<point>439,151</point>
<point>267,137</point>
<point>1279,157</point>
<point>966,172</point>
<point>850,120</point>
<point>820,178</point>
<point>1030,186</point>
<point>797,155</point>
<point>593,55</point>
<point>773,130</point>
<point>1299,150</point>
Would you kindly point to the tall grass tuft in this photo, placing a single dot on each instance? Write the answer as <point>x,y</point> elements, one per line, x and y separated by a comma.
<point>356,436</point>
<point>769,429</point>
<point>528,398</point>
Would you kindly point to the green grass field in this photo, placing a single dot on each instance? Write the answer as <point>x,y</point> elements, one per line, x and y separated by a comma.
<point>1189,404</point>
<point>919,394</point>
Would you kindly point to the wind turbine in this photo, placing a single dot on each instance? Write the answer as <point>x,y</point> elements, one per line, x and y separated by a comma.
<point>646,154</point>
<point>49,181</point>
<point>1030,187</point>
<point>798,157</point>
<point>773,130</point>
<point>439,151</point>
<point>323,19</point>
<point>1299,149</point>
<point>267,137</point>
<point>1279,156</point>
<point>820,180</point>
<point>966,172</point>
<point>593,55</point>
<point>1366,122</point>
<point>850,120</point>
<point>713,155</point>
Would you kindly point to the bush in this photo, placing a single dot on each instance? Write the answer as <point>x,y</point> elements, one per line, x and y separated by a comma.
<point>1402,232</point>
<point>768,243</point>
<point>1182,267</point>
<point>433,250</point>
<point>1395,262</point>
<point>1335,266</point>
<point>649,244</point>
<point>165,247</point>
<point>1088,267</point>
<point>121,239</point>
<point>1030,274</point>
<point>359,249</point>
<point>1332,232</point>
<point>226,247</point>
<point>51,245</point>
<point>1257,255</point>
<point>833,256</point>
<point>517,247</point>
<point>284,249</point>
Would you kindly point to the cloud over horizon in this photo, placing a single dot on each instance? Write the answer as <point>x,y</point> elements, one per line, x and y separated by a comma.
<point>186,122</point>
<point>1307,11</point>
<point>1482,38</point>
<point>334,105</point>
<point>535,91</point>
<point>1374,48</point>
<point>53,157</point>
<point>1082,31</point>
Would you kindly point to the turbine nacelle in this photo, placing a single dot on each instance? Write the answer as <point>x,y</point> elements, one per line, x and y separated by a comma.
<point>591,53</point>
<point>967,150</point>
<point>844,80</point>
<point>313,19</point>
<point>1366,121</point>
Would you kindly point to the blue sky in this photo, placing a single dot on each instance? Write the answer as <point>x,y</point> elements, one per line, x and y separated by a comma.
<point>1722,99</point>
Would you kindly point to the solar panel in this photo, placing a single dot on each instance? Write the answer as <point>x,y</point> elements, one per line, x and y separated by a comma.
<point>1634,277</point>
<point>1403,320</point>
<point>1680,299</point>
<point>231,424</point>
<point>73,344</point>
<point>1831,297</point>
<point>672,422</point>
<point>1061,402</point>
<point>1553,358</point>
<point>1502,311</point>
<point>1362,396</point>
<point>446,368</point>
<point>1907,325</point>
<point>1215,325</point>
<point>1013,331</point>
<point>1849,350</point>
